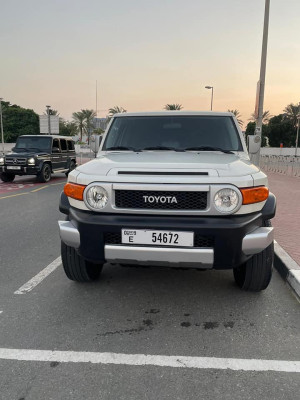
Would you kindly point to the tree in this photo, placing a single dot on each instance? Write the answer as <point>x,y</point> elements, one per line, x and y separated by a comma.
<point>281,130</point>
<point>265,117</point>
<point>173,107</point>
<point>18,121</point>
<point>67,128</point>
<point>237,115</point>
<point>89,116</point>
<point>115,110</point>
<point>79,120</point>
<point>291,112</point>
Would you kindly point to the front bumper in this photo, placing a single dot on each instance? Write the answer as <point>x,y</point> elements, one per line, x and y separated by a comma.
<point>24,170</point>
<point>234,238</point>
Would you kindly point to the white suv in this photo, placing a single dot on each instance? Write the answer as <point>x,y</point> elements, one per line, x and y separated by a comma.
<point>170,188</point>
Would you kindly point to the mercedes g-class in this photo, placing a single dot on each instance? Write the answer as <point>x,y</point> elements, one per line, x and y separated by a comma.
<point>170,188</point>
<point>38,155</point>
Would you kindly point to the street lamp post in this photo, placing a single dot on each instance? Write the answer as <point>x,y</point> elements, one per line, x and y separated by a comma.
<point>297,136</point>
<point>1,122</point>
<point>49,126</point>
<point>212,96</point>
<point>262,79</point>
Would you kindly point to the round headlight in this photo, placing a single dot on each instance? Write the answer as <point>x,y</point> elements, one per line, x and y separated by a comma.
<point>96,197</point>
<point>31,161</point>
<point>1,160</point>
<point>226,200</point>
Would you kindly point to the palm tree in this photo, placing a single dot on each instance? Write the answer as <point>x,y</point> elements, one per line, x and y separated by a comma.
<point>291,113</point>
<point>79,120</point>
<point>173,107</point>
<point>89,116</point>
<point>237,115</point>
<point>265,117</point>
<point>115,110</point>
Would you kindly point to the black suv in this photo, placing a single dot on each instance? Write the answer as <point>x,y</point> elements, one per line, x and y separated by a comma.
<point>39,155</point>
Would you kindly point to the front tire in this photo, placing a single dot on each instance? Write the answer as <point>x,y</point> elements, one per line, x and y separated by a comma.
<point>255,274</point>
<point>45,174</point>
<point>7,177</point>
<point>77,268</point>
<point>71,167</point>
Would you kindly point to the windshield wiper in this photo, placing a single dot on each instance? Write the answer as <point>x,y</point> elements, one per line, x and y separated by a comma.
<point>34,148</point>
<point>121,148</point>
<point>208,148</point>
<point>162,148</point>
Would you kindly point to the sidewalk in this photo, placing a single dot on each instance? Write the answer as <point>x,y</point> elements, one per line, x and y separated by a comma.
<point>287,220</point>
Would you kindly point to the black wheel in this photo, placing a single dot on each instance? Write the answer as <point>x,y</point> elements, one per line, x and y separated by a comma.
<point>45,174</point>
<point>72,166</point>
<point>255,275</point>
<point>77,268</point>
<point>7,177</point>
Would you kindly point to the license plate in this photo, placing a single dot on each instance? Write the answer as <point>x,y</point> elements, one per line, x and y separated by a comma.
<point>158,238</point>
<point>13,167</point>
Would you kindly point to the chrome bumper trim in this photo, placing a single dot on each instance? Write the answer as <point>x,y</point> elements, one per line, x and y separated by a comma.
<point>258,240</point>
<point>201,258</point>
<point>69,234</point>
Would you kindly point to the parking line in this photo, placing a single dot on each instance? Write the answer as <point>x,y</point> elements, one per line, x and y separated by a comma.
<point>28,286</point>
<point>235,364</point>
<point>13,195</point>
<point>40,188</point>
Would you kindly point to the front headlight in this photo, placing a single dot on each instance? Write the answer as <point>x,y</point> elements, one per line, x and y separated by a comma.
<point>31,161</point>
<point>96,197</point>
<point>226,200</point>
<point>1,160</point>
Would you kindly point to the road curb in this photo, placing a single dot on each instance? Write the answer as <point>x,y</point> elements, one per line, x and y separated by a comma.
<point>287,268</point>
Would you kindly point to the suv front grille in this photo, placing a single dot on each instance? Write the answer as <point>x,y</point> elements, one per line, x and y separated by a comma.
<point>160,200</point>
<point>15,161</point>
<point>199,240</point>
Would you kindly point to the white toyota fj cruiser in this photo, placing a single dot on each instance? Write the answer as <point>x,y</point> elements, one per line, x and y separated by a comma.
<point>170,188</point>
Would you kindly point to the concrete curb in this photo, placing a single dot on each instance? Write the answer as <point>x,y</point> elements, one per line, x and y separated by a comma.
<point>287,268</point>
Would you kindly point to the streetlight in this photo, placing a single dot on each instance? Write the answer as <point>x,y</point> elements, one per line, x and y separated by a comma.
<point>1,122</point>
<point>48,113</point>
<point>261,83</point>
<point>297,131</point>
<point>212,95</point>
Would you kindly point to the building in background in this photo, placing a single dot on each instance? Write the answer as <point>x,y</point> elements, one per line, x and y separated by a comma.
<point>100,123</point>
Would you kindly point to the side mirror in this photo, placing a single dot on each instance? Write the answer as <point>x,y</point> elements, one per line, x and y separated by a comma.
<point>254,143</point>
<point>13,149</point>
<point>55,150</point>
<point>95,143</point>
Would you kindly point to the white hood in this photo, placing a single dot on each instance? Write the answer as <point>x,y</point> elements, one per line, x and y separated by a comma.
<point>214,164</point>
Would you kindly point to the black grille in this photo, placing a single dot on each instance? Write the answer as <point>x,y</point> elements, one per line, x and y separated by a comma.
<point>161,200</point>
<point>203,241</point>
<point>15,161</point>
<point>112,238</point>
<point>199,240</point>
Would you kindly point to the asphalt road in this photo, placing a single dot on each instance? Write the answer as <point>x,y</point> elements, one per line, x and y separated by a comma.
<point>146,311</point>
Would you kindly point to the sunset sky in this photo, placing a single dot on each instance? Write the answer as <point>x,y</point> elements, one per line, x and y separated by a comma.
<point>145,54</point>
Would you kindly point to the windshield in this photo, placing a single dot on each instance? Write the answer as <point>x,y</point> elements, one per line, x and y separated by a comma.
<point>33,143</point>
<point>173,133</point>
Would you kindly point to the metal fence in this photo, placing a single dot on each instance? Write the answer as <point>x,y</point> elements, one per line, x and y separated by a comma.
<point>287,165</point>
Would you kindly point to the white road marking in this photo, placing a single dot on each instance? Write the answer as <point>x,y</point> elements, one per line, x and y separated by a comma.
<point>1,312</point>
<point>235,364</point>
<point>27,287</point>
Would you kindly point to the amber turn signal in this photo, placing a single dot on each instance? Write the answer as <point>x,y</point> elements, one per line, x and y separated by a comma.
<point>255,194</point>
<point>74,190</point>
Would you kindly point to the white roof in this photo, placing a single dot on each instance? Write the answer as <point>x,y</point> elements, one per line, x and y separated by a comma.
<point>173,112</point>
